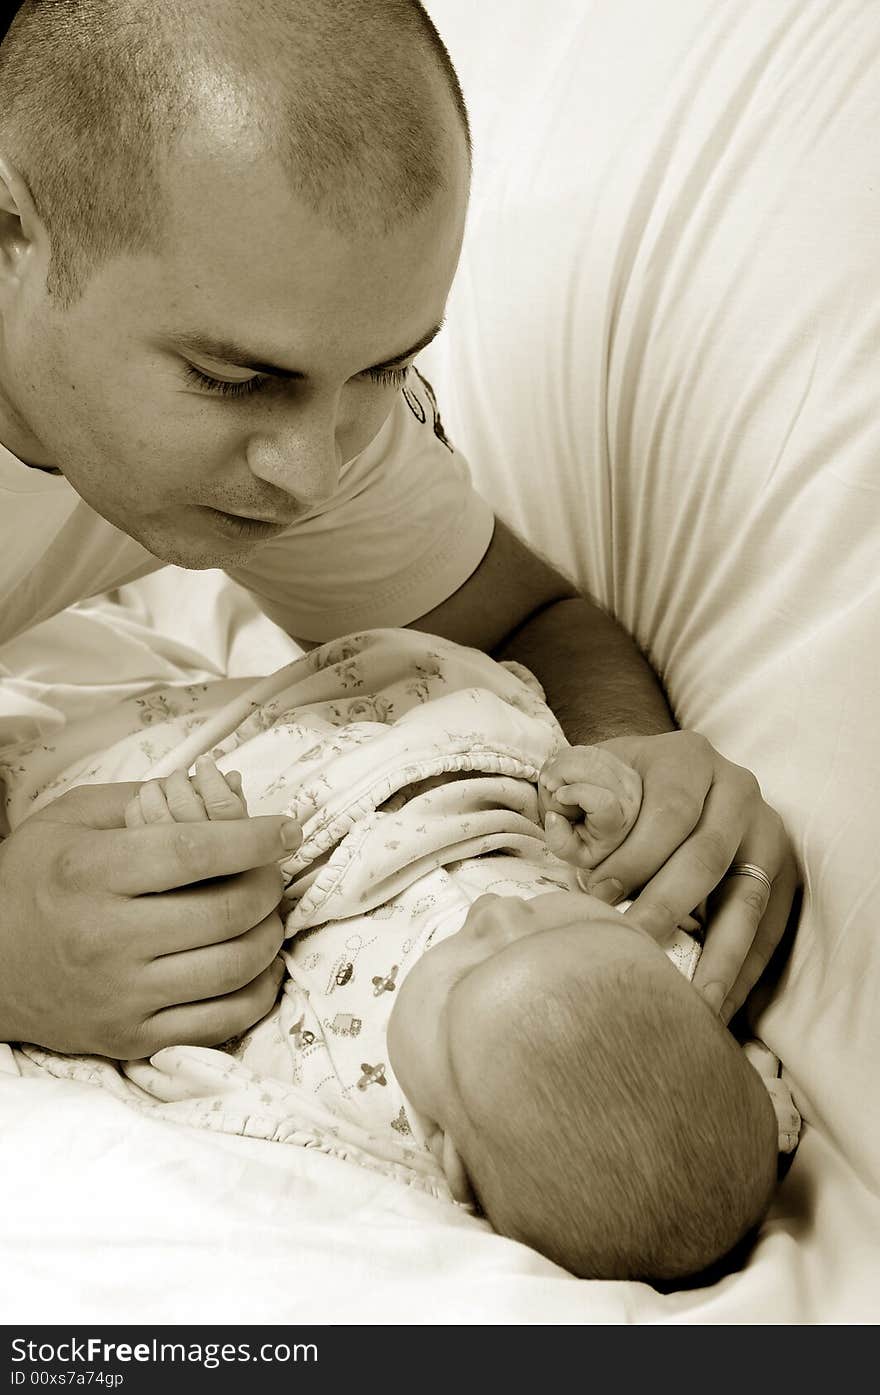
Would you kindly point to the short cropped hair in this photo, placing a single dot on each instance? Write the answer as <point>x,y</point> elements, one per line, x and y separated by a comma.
<point>95,94</point>
<point>622,1137</point>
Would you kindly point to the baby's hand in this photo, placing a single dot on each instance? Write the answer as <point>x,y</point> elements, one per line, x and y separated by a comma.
<point>589,799</point>
<point>181,798</point>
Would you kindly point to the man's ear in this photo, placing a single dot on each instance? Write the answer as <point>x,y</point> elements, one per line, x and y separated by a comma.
<point>21,228</point>
<point>449,1158</point>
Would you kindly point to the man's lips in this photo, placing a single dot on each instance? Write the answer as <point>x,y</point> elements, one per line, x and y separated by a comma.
<point>269,519</point>
<point>240,526</point>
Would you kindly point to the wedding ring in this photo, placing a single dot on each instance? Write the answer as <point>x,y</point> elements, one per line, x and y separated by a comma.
<point>748,869</point>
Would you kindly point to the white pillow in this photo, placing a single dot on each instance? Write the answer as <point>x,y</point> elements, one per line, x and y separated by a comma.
<point>662,363</point>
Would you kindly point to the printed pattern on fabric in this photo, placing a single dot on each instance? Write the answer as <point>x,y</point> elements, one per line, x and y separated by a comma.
<point>411,763</point>
<point>404,758</point>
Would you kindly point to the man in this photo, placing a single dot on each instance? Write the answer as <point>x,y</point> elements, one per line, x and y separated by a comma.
<point>228,226</point>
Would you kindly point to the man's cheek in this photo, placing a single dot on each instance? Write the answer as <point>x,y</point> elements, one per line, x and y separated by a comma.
<point>362,426</point>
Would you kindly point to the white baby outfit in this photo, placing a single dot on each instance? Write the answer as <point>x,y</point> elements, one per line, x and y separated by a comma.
<point>411,764</point>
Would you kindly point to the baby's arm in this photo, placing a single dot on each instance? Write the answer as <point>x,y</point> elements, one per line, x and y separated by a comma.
<point>590,799</point>
<point>180,798</point>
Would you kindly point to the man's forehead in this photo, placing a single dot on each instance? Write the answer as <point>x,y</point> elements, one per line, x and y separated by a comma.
<point>247,264</point>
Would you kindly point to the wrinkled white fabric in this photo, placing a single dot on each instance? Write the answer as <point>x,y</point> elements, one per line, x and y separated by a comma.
<point>364,741</point>
<point>769,254</point>
<point>661,357</point>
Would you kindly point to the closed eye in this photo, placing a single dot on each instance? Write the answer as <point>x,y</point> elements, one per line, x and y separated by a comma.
<point>224,388</point>
<point>260,382</point>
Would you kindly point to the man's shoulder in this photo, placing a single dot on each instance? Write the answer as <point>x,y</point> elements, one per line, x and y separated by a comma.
<point>54,551</point>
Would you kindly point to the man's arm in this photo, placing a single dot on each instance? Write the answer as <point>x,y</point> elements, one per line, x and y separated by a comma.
<point>700,814</point>
<point>516,606</point>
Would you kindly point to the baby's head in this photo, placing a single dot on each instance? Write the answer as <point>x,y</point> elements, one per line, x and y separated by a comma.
<point>583,1090</point>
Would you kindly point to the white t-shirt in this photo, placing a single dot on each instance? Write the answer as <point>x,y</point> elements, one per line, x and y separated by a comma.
<point>404,530</point>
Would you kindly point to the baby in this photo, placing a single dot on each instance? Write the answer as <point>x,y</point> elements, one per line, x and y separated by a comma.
<point>564,1074</point>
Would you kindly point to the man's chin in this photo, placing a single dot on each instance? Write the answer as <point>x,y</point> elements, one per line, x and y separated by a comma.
<point>202,561</point>
<point>194,551</point>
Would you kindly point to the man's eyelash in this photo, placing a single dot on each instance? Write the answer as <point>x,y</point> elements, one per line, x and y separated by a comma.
<point>216,385</point>
<point>386,377</point>
<point>389,377</point>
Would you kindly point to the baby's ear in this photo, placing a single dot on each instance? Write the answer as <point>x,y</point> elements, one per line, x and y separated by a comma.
<point>449,1158</point>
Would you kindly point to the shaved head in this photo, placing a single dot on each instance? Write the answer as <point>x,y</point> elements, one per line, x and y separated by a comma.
<point>356,101</point>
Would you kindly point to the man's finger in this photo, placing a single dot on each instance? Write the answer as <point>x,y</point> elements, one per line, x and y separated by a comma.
<point>167,923</point>
<point>692,861</point>
<point>694,869</point>
<point>736,911</point>
<point>216,970</point>
<point>91,806</point>
<point>133,862</point>
<point>725,975</point>
<point>670,811</point>
<point>216,1019</point>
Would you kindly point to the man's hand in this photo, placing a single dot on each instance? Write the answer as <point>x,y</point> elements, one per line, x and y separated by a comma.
<point>119,941</point>
<point>701,814</point>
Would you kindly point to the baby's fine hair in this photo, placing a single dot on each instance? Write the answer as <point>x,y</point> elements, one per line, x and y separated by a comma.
<point>622,1132</point>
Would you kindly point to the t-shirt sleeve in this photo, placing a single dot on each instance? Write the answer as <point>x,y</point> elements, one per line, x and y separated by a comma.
<point>404,530</point>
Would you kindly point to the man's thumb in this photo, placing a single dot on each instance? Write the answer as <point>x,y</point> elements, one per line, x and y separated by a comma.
<point>90,806</point>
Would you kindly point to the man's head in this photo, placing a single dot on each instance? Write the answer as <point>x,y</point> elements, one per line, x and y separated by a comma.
<point>596,1107</point>
<point>188,179</point>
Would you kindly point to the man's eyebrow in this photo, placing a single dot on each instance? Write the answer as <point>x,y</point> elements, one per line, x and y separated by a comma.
<point>225,352</point>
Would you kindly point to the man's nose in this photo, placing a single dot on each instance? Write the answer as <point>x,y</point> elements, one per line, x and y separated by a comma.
<point>300,457</point>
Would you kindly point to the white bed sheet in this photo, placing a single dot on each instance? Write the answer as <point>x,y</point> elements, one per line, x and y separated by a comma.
<point>112,1216</point>
<point>661,360</point>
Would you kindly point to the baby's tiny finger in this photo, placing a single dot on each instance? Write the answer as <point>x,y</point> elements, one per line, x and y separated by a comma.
<point>233,779</point>
<point>592,765</point>
<point>604,810</point>
<point>154,805</point>
<point>564,842</point>
<point>220,799</point>
<point>183,800</point>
